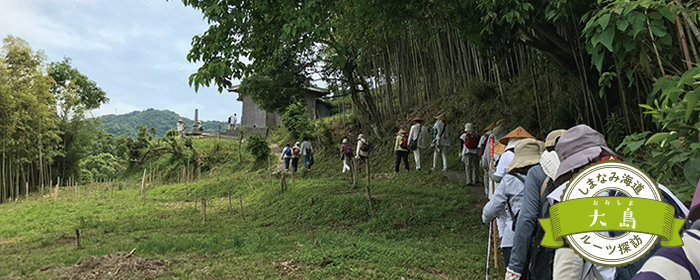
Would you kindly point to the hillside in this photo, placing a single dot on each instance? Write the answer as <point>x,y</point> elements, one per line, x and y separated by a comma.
<point>426,226</point>
<point>162,120</point>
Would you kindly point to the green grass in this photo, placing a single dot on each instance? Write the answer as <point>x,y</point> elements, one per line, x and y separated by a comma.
<point>426,227</point>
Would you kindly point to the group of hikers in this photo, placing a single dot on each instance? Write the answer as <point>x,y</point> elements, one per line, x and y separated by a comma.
<point>525,176</point>
<point>291,155</point>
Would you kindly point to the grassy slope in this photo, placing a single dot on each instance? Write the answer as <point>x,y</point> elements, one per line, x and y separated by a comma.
<point>443,239</point>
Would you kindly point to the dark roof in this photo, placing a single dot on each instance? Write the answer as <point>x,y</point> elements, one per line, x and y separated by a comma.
<point>319,91</point>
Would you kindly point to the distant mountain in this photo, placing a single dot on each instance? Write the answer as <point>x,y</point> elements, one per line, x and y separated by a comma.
<point>162,120</point>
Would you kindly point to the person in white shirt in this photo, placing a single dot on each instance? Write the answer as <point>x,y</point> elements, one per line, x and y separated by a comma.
<point>181,128</point>
<point>232,121</point>
<point>416,139</point>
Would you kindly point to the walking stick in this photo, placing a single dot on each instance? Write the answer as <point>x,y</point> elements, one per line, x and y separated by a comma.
<point>495,229</point>
<point>488,254</point>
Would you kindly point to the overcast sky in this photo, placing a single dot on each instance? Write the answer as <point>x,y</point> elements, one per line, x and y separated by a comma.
<point>134,49</point>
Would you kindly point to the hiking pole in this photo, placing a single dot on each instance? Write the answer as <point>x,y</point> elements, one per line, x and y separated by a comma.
<point>495,230</point>
<point>488,254</point>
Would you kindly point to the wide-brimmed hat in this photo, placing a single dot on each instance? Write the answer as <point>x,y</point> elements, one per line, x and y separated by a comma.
<point>578,146</point>
<point>527,152</point>
<point>416,120</point>
<point>469,127</point>
<point>497,131</point>
<point>180,120</point>
<point>552,137</point>
<point>345,140</point>
<point>401,131</point>
<point>519,132</point>
<point>296,143</point>
<point>498,148</point>
<point>442,117</point>
<point>361,136</point>
<point>494,125</point>
<point>199,121</point>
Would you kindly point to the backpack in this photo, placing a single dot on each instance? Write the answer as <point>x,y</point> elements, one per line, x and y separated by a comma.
<point>628,271</point>
<point>295,152</point>
<point>404,142</point>
<point>347,149</point>
<point>287,151</point>
<point>414,143</point>
<point>510,210</point>
<point>482,143</point>
<point>542,258</point>
<point>470,141</point>
<point>364,147</point>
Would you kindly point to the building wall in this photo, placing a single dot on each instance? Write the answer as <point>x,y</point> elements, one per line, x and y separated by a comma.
<point>322,110</point>
<point>252,116</point>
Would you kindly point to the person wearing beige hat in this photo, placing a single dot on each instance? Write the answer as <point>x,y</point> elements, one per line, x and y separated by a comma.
<point>181,128</point>
<point>401,149</point>
<point>416,139</point>
<point>508,195</point>
<point>441,141</point>
<point>528,252</point>
<point>469,153</point>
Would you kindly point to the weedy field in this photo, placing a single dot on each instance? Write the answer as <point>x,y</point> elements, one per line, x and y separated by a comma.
<point>426,227</point>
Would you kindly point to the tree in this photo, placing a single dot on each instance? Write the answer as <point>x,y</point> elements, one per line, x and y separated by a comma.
<point>75,95</point>
<point>27,116</point>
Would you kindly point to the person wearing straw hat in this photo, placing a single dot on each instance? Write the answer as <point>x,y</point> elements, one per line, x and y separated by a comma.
<point>680,262</point>
<point>416,139</point>
<point>401,150</point>
<point>181,128</point>
<point>510,140</point>
<point>529,212</point>
<point>508,196</point>
<point>441,141</point>
<point>578,147</point>
<point>469,153</point>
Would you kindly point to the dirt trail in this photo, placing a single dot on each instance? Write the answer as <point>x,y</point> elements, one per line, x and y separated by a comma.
<point>275,149</point>
<point>477,189</point>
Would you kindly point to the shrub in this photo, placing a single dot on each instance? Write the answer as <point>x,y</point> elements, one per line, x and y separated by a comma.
<point>297,121</point>
<point>258,147</point>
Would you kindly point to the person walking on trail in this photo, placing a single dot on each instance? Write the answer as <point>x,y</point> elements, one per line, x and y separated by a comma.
<point>508,143</point>
<point>296,152</point>
<point>681,262</point>
<point>508,196</point>
<point>441,141</point>
<point>362,151</point>
<point>470,153</point>
<point>401,150</point>
<point>232,121</point>
<point>181,128</point>
<point>416,140</point>
<point>524,246</point>
<point>346,154</point>
<point>577,148</point>
<point>307,150</point>
<point>286,156</point>
<point>494,133</point>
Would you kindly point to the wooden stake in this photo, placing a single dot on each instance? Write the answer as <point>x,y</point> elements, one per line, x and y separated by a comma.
<point>283,181</point>
<point>57,183</point>
<point>143,186</point>
<point>241,201</point>
<point>195,200</point>
<point>369,195</point>
<point>26,189</point>
<point>77,237</point>
<point>230,207</point>
<point>204,211</point>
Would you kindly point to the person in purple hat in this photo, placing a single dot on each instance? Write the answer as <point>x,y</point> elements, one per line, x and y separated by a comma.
<point>577,148</point>
<point>681,262</point>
